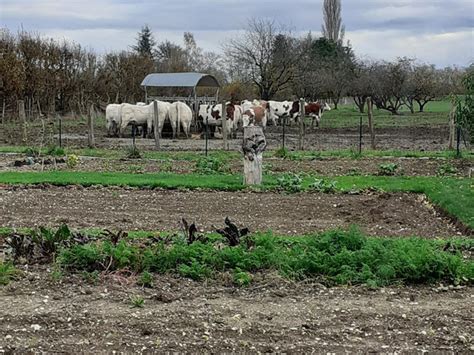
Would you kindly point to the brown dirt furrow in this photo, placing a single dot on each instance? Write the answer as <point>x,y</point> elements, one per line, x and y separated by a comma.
<point>272,315</point>
<point>398,214</point>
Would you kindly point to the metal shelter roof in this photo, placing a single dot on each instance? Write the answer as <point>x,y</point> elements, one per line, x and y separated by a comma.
<point>190,80</point>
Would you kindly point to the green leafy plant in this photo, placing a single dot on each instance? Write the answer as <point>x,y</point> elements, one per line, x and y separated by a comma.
<point>195,271</point>
<point>56,273</point>
<point>446,169</point>
<point>166,166</point>
<point>210,165</point>
<point>91,277</point>
<point>55,151</point>
<point>322,185</point>
<point>137,301</point>
<point>281,153</point>
<point>354,172</point>
<point>8,273</point>
<point>290,182</point>
<point>145,279</point>
<point>388,169</point>
<point>242,278</point>
<point>135,169</point>
<point>72,160</point>
<point>133,153</point>
<point>33,152</point>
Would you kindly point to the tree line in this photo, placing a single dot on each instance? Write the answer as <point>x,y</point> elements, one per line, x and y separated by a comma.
<point>267,61</point>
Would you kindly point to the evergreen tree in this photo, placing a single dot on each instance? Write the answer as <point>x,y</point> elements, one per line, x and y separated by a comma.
<point>145,42</point>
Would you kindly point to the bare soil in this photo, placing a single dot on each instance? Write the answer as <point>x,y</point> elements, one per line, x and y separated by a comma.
<point>387,214</point>
<point>326,166</point>
<point>273,314</point>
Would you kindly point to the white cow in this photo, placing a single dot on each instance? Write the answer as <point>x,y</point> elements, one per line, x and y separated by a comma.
<point>112,118</point>
<point>142,115</point>
<point>180,114</point>
<point>279,109</point>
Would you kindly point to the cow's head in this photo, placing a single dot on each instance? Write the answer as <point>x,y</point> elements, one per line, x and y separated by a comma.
<point>295,110</point>
<point>230,110</point>
<point>326,107</point>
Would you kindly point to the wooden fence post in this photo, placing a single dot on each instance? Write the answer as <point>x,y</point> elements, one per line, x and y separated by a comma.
<point>3,111</point>
<point>301,127</point>
<point>253,145</point>
<point>371,123</point>
<point>90,125</point>
<point>22,115</point>
<point>224,125</point>
<point>156,122</point>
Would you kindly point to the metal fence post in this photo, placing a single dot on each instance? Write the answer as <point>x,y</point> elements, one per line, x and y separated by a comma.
<point>301,130</point>
<point>360,135</point>
<point>60,139</point>
<point>224,124</point>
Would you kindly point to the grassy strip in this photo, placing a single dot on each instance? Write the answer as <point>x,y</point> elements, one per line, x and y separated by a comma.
<point>226,155</point>
<point>351,154</point>
<point>455,196</point>
<point>162,180</point>
<point>335,257</point>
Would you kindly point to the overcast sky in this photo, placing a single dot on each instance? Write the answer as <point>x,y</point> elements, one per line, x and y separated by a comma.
<point>434,31</point>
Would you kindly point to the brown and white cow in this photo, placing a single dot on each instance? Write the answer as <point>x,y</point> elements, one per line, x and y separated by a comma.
<point>313,109</point>
<point>255,115</point>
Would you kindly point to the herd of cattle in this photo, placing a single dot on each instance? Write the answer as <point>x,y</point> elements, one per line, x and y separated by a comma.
<point>180,116</point>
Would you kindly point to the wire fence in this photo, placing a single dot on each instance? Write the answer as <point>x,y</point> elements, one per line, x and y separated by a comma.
<point>72,131</point>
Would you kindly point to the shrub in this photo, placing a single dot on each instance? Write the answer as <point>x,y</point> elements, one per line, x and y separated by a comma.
<point>290,183</point>
<point>388,169</point>
<point>72,160</point>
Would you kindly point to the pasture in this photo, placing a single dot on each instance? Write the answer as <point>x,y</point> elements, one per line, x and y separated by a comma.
<point>344,251</point>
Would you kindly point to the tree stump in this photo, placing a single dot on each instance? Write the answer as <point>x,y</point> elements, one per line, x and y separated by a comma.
<point>253,145</point>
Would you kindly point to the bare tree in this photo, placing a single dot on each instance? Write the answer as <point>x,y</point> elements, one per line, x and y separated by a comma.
<point>390,84</point>
<point>333,29</point>
<point>263,55</point>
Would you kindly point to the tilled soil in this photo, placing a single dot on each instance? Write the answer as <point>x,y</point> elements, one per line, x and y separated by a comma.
<point>387,214</point>
<point>327,166</point>
<point>271,315</point>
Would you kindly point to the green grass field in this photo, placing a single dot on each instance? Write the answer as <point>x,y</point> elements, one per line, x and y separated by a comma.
<point>436,113</point>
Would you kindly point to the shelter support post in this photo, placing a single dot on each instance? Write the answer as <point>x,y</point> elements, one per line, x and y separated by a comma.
<point>156,124</point>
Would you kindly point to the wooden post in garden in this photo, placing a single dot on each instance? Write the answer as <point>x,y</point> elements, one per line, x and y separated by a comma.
<point>371,123</point>
<point>90,125</point>
<point>301,126</point>
<point>224,125</point>
<point>156,122</point>
<point>3,111</point>
<point>452,126</point>
<point>22,115</point>
<point>253,145</point>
